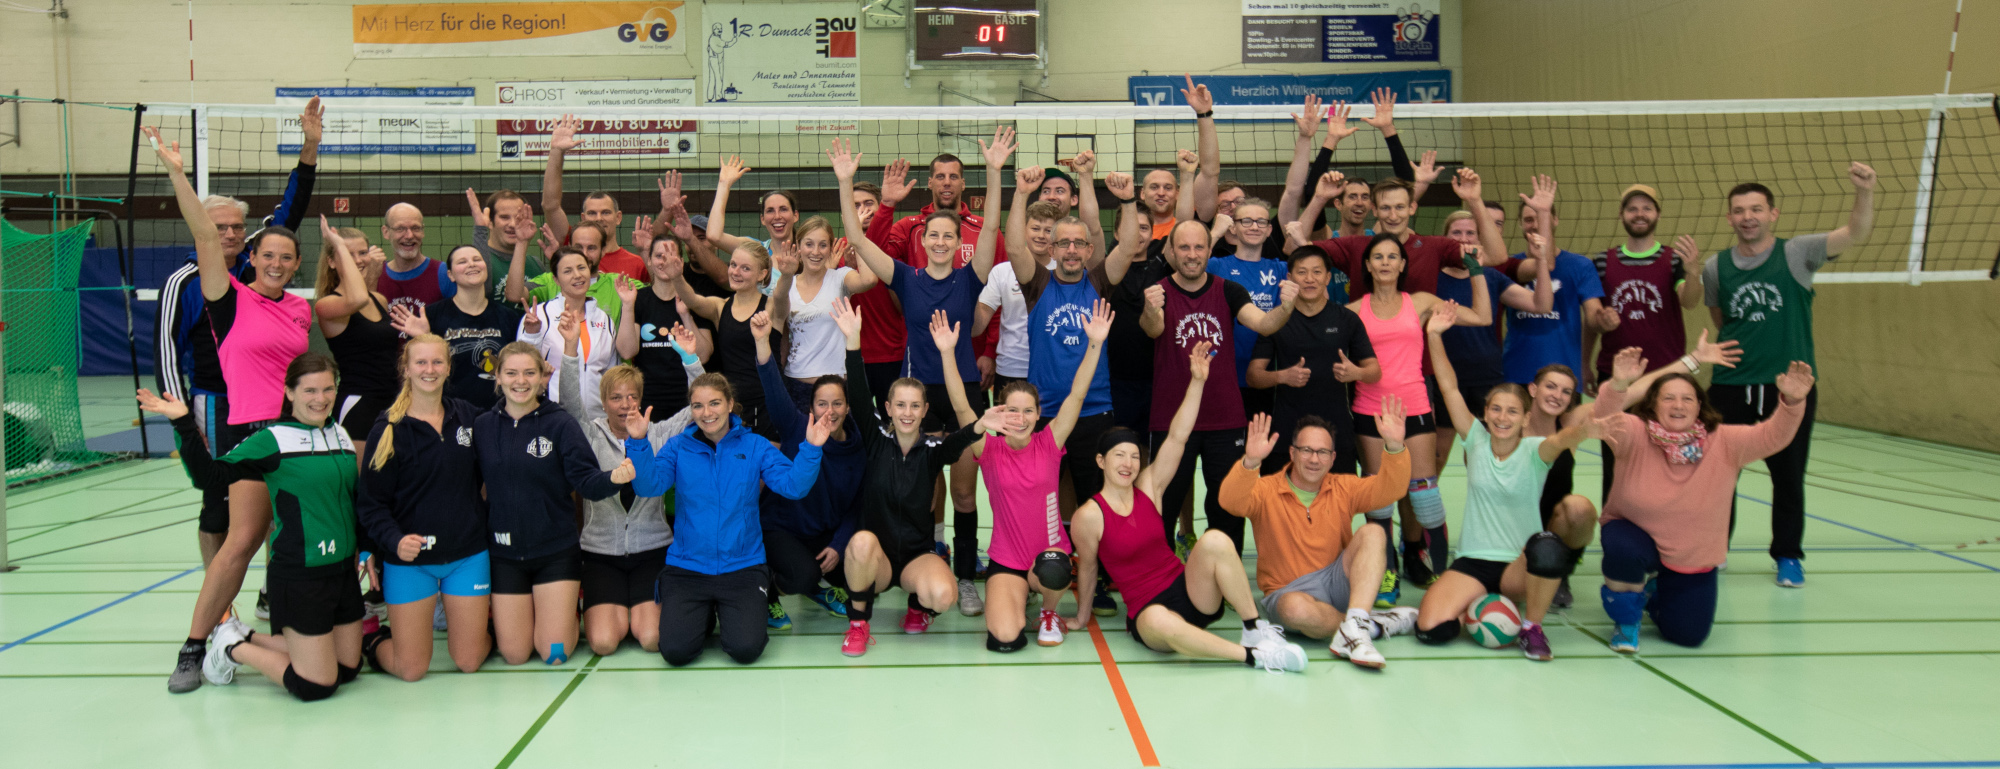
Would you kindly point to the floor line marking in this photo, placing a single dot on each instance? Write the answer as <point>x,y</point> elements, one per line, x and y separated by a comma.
<point>1911,545</point>
<point>1137,728</point>
<point>106,539</point>
<point>67,622</point>
<point>529,736</point>
<point>60,525</point>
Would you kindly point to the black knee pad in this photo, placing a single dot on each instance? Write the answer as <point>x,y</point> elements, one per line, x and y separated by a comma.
<point>347,674</point>
<point>306,691</point>
<point>996,645</point>
<point>1443,633</point>
<point>1052,567</point>
<point>1548,557</point>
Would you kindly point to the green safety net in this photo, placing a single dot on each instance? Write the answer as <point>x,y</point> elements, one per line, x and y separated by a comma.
<point>39,305</point>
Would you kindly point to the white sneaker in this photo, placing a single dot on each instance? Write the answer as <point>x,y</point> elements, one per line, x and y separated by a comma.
<point>968,599</point>
<point>217,668</point>
<point>1052,629</point>
<point>1351,643</point>
<point>437,617</point>
<point>239,627</point>
<point>1401,620</point>
<point>1278,656</point>
<point>1265,632</point>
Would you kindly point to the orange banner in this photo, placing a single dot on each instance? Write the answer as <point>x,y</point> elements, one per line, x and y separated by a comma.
<point>545,28</point>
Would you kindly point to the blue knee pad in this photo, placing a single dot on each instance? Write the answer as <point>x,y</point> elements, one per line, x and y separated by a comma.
<point>1427,502</point>
<point>1384,513</point>
<point>1624,608</point>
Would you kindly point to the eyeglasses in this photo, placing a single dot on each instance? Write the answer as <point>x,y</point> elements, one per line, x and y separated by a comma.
<point>1254,222</point>
<point>1072,243</point>
<point>231,228</point>
<point>408,229</point>
<point>1320,453</point>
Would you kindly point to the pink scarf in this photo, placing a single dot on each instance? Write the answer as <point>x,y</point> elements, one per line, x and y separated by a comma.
<point>1683,448</point>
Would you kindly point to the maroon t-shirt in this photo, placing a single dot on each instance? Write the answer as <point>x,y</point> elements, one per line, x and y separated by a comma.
<point>1205,315</point>
<point>1427,253</point>
<point>1649,311</point>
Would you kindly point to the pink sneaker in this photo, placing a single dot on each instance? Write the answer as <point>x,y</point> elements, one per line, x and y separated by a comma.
<point>916,621</point>
<point>858,639</point>
<point>1051,633</point>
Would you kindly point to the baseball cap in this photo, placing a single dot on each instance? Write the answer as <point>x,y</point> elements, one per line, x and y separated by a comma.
<point>1053,174</point>
<point>700,222</point>
<point>1639,189</point>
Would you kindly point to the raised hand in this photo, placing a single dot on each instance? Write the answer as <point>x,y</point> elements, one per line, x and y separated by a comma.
<point>1862,176</point>
<point>563,138</point>
<point>1444,315</point>
<point>1628,365</point>
<point>846,161</point>
<point>1259,440</point>
<point>1344,370</point>
<point>570,326</point>
<point>782,259</point>
<point>896,181</point>
<point>1029,178</point>
<point>1797,382</point>
<point>624,472</point>
<point>481,216</point>
<point>1384,119</point>
<point>411,323</point>
<point>312,123</point>
<point>1337,127</point>
<point>683,336</point>
<point>1307,119</point>
<point>1389,423</point>
<point>1186,160</point>
<point>1427,168</point>
<point>843,255</point>
<point>1690,253</point>
<point>670,191</point>
<point>1197,96</point>
<point>638,421</point>
<point>1297,231</point>
<point>1545,193</point>
<point>531,321</point>
<point>169,407</point>
<point>642,234</point>
<point>1288,292</point>
<point>1085,162</point>
<point>548,241</point>
<point>1198,358</point>
<point>169,152</point>
<point>994,420</point>
<point>1329,185</point>
<point>1467,185</point>
<point>733,170</point>
<point>1156,297</point>
<point>760,325</point>
<point>1537,246</point>
<point>628,290</point>
<point>1722,354</point>
<point>1299,375</point>
<point>943,333</point>
<point>1003,145</point>
<point>328,234</point>
<point>1098,327</point>
<point>818,430</point>
<point>1120,185</point>
<point>845,316</point>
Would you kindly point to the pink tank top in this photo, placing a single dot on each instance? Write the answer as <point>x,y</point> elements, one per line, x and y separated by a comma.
<point>256,338</point>
<point>1134,552</point>
<point>1021,485</point>
<point>1399,346</point>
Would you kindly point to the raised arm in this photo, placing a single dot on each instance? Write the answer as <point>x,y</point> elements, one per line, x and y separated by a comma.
<point>1268,322</point>
<point>1689,252</point>
<point>353,294</point>
<point>1084,168</point>
<point>1130,242</point>
<point>1626,368</point>
<point>1153,319</point>
<point>945,336</point>
<point>989,236</point>
<point>1325,190</point>
<point>1208,150</point>
<point>1860,220</point>
<point>709,307</point>
<point>562,139</point>
<point>1724,354</point>
<point>1307,121</point>
<point>787,266</point>
<point>732,170</point>
<point>628,298</point>
<point>1492,248</point>
<point>1167,458</point>
<point>1026,182</point>
<point>845,162</point>
<point>1096,330</point>
<point>1447,377</point>
<point>858,395</point>
<point>516,287</point>
<point>1572,435</point>
<point>209,259</point>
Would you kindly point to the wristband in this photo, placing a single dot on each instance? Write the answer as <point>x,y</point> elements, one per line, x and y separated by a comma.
<point>687,358</point>
<point>1473,268</point>
<point>1127,201</point>
<point>1692,364</point>
<point>1202,115</point>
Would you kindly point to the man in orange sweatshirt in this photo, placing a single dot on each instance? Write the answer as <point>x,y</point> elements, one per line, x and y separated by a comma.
<point>1309,557</point>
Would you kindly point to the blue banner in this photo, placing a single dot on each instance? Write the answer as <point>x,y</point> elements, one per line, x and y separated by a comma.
<point>1417,86</point>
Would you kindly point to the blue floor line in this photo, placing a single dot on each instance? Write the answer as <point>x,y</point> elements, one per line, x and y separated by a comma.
<point>67,622</point>
<point>1911,545</point>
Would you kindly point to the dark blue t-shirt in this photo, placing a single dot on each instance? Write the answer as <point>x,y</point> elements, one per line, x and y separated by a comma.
<point>922,294</point>
<point>1261,279</point>
<point>1534,341</point>
<point>1474,351</point>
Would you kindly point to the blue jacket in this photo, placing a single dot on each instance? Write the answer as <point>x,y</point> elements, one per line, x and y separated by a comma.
<point>716,525</point>
<point>834,503</point>
<point>530,465</point>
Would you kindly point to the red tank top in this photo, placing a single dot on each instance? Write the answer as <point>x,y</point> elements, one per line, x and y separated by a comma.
<point>1191,320</point>
<point>1134,552</point>
<point>1649,312</point>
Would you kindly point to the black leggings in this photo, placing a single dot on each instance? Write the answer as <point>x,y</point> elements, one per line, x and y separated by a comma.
<point>1748,405</point>
<point>692,602</point>
<point>794,562</point>
<point>1217,450</point>
<point>1683,605</point>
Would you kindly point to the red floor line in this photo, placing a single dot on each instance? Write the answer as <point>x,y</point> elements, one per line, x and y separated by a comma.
<point>1133,725</point>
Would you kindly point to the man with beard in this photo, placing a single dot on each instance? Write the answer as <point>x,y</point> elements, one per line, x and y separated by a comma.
<point>1647,283</point>
<point>410,280</point>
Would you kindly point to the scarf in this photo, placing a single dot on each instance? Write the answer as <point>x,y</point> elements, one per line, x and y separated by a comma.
<point>1681,448</point>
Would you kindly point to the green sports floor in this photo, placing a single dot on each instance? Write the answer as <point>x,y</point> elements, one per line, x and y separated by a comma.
<point>1890,657</point>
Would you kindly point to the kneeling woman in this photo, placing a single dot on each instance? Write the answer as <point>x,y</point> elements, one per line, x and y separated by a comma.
<point>307,462</point>
<point>1023,469</point>
<point>1504,547</point>
<point>1168,606</point>
<point>420,499</point>
<point>1668,513</point>
<point>532,455</point>
<point>893,546</point>
<point>715,566</point>
<point>625,536</point>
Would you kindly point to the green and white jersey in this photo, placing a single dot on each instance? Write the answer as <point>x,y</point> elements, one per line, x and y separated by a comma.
<point>310,472</point>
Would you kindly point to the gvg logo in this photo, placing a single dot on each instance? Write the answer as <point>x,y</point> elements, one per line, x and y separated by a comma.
<point>655,26</point>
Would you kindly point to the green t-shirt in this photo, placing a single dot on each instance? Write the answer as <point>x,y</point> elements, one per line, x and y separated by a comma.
<point>1503,498</point>
<point>310,474</point>
<point>542,288</point>
<point>1306,496</point>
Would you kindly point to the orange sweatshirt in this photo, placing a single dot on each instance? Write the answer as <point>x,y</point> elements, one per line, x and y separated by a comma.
<point>1293,540</point>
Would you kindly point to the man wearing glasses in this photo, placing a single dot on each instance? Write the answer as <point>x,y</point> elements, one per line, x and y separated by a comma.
<point>1251,228</point>
<point>411,279</point>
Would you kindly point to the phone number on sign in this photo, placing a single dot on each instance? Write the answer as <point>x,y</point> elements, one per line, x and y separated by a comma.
<point>543,127</point>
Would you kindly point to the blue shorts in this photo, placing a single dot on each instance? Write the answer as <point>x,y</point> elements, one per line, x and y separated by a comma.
<point>469,576</point>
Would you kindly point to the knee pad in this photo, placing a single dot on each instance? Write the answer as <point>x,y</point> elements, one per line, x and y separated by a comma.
<point>1427,502</point>
<point>347,674</point>
<point>306,691</point>
<point>1443,633</point>
<point>996,645</point>
<point>1624,608</point>
<point>1549,557</point>
<point>1052,568</point>
<point>1383,514</point>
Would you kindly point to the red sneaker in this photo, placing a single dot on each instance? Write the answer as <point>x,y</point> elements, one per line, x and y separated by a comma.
<point>858,639</point>
<point>916,621</point>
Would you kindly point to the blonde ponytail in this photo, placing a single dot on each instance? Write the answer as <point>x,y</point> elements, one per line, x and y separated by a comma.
<point>385,447</point>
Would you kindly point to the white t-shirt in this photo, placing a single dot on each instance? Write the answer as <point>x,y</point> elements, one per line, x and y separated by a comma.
<point>817,346</point>
<point>1003,292</point>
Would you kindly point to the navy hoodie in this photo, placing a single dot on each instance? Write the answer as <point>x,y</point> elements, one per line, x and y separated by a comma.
<point>530,465</point>
<point>429,487</point>
<point>834,503</point>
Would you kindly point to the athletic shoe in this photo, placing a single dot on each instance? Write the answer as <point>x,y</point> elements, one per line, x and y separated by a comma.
<point>1051,633</point>
<point>779,620</point>
<point>1391,591</point>
<point>969,603</point>
<point>437,617</point>
<point>916,621</point>
<point>1401,620</point>
<point>1351,643</point>
<point>943,550</point>
<point>217,668</point>
<point>1264,633</point>
<point>1279,656</point>
<point>264,604</point>
<point>858,638</point>
<point>1791,573</point>
<point>1417,564</point>
<point>187,669</point>
<point>1102,604</point>
<point>1535,644</point>
<point>1183,544</point>
<point>370,644</point>
<point>1563,599</point>
<point>239,625</point>
<point>1626,640</point>
<point>832,599</point>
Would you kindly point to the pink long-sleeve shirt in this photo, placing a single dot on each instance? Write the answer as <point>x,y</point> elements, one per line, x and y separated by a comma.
<point>1685,508</point>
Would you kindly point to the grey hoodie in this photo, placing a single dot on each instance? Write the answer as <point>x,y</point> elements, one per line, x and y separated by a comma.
<point>610,528</point>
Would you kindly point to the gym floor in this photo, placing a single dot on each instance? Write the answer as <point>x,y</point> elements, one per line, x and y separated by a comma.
<point>1886,658</point>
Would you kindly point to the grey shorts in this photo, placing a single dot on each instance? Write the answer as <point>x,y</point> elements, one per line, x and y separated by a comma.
<point>1328,586</point>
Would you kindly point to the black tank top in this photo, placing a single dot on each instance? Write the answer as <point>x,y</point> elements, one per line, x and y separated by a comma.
<point>366,351</point>
<point>737,350</point>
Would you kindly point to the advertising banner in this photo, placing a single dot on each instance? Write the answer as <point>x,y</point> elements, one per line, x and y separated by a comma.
<point>529,139</point>
<point>519,29</point>
<point>772,53</point>
<point>1411,87</point>
<point>376,133</point>
<point>1307,31</point>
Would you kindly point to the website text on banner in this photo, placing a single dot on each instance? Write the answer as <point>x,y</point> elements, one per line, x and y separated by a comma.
<point>418,30</point>
<point>1427,86</point>
<point>414,133</point>
<point>1307,31</point>
<point>528,139</point>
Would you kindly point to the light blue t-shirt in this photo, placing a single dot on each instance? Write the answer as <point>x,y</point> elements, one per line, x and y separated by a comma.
<point>1503,498</point>
<point>1261,278</point>
<point>1536,340</point>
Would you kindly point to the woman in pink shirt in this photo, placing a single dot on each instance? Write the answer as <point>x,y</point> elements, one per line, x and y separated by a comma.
<point>1668,514</point>
<point>1023,468</point>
